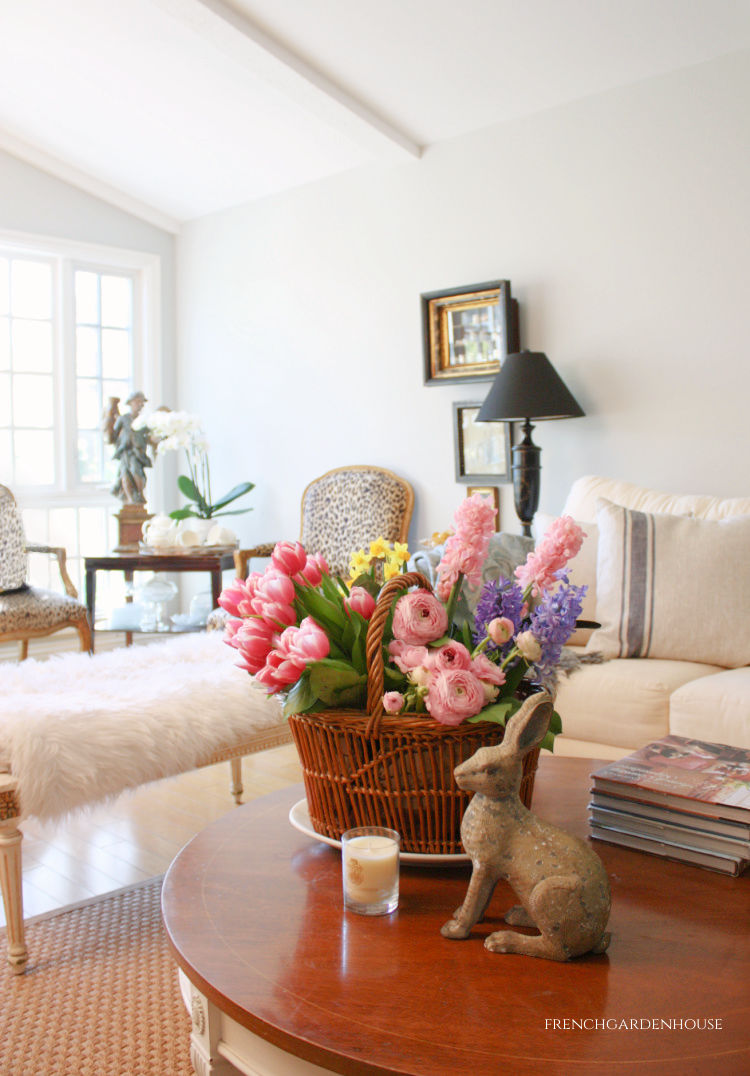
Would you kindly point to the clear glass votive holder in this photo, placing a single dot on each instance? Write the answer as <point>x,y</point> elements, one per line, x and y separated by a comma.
<point>369,866</point>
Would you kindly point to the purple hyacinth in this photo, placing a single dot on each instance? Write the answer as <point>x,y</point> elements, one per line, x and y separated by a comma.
<point>499,597</point>
<point>553,622</point>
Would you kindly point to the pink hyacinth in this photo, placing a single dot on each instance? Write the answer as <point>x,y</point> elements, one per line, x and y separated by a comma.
<point>560,544</point>
<point>466,549</point>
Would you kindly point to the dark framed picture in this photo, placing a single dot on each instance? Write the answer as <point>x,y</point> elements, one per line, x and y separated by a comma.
<point>482,449</point>
<point>467,331</point>
<point>494,495</point>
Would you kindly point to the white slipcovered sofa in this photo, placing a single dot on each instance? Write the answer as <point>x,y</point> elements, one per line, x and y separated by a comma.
<point>684,601</point>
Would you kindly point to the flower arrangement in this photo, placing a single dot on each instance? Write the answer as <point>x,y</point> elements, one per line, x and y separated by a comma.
<point>301,632</point>
<point>174,430</point>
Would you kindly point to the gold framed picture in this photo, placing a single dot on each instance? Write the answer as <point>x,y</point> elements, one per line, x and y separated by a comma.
<point>482,449</point>
<point>467,331</point>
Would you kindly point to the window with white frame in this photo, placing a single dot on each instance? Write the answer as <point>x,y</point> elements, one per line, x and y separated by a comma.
<point>76,329</point>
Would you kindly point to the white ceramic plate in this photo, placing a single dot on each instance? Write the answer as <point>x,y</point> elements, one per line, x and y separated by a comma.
<point>300,819</point>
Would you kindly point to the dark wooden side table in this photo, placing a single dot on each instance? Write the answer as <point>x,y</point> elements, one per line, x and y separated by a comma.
<point>279,978</point>
<point>129,563</point>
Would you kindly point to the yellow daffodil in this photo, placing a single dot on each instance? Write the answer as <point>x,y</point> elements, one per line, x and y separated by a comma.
<point>379,548</point>
<point>390,571</point>
<point>360,563</point>
<point>401,552</point>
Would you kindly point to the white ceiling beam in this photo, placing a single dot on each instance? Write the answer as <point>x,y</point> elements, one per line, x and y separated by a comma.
<point>53,166</point>
<point>235,34</point>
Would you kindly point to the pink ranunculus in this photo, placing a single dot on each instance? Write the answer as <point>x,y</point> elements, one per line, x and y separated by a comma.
<point>289,557</point>
<point>310,642</point>
<point>253,639</point>
<point>451,655</point>
<point>487,670</point>
<point>406,657</point>
<point>529,646</point>
<point>561,542</point>
<point>500,630</point>
<point>393,702</point>
<point>361,601</point>
<point>454,695</point>
<point>419,618</point>
<point>276,587</point>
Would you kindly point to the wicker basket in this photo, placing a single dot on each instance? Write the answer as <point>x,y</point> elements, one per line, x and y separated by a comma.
<point>376,769</point>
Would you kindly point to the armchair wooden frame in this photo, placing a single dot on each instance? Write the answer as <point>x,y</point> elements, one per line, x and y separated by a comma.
<point>81,624</point>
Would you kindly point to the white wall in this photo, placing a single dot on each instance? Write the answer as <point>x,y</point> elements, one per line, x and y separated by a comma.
<point>623,224</point>
<point>34,202</point>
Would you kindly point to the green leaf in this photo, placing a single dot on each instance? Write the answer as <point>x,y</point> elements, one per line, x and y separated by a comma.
<point>441,641</point>
<point>234,512</point>
<point>329,679</point>
<point>368,583</point>
<point>555,724</point>
<point>330,617</point>
<point>184,513</point>
<point>359,653</point>
<point>548,742</point>
<point>499,712</point>
<point>300,697</point>
<point>331,590</point>
<point>466,633</point>
<point>237,491</point>
<point>189,489</point>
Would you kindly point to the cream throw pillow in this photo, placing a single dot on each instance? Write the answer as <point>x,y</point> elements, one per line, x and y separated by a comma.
<point>672,587</point>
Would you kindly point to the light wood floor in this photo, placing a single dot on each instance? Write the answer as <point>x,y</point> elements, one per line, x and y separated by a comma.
<point>105,848</point>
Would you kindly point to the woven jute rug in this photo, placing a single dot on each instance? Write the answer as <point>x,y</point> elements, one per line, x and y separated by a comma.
<point>100,996</point>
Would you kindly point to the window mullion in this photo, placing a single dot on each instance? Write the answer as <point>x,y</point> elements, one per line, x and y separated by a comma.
<point>66,431</point>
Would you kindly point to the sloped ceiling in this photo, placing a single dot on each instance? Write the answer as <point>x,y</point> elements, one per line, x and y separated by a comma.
<point>178,108</point>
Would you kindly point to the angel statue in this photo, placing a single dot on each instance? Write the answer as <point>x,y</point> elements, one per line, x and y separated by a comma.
<point>131,448</point>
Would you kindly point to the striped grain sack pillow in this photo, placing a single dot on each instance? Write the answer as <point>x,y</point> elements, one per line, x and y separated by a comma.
<point>672,587</point>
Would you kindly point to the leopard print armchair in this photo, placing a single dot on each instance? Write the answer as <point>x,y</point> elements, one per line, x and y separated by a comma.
<point>344,510</point>
<point>27,612</point>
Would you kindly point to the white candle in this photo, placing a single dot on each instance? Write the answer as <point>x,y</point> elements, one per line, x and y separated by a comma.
<point>370,866</point>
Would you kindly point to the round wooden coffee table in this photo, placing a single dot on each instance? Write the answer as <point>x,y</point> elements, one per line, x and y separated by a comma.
<point>280,979</point>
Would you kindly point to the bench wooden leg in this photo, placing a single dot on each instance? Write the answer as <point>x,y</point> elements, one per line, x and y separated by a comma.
<point>10,882</point>
<point>236,784</point>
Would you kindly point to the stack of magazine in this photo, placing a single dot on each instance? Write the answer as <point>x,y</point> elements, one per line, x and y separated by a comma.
<point>678,798</point>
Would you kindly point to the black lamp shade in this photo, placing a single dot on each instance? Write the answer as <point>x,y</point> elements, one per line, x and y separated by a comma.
<point>528,387</point>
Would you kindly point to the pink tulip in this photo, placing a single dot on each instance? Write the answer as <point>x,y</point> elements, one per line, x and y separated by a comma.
<point>254,639</point>
<point>311,574</point>
<point>310,643</point>
<point>277,613</point>
<point>230,630</point>
<point>276,587</point>
<point>361,601</point>
<point>289,557</point>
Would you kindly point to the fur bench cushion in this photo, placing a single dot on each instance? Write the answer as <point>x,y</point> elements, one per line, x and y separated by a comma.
<point>77,729</point>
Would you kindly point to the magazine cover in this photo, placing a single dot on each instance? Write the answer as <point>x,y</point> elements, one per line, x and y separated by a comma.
<point>712,774</point>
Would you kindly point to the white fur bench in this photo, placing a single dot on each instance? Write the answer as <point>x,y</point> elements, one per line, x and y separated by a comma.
<point>77,730</point>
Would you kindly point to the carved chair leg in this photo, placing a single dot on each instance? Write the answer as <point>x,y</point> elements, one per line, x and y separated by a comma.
<point>85,634</point>
<point>235,787</point>
<point>10,882</point>
<point>24,649</point>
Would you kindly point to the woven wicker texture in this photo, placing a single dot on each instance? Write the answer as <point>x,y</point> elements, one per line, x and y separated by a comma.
<point>372,769</point>
<point>100,997</point>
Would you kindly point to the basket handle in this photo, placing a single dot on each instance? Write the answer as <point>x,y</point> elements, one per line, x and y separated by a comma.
<point>374,642</point>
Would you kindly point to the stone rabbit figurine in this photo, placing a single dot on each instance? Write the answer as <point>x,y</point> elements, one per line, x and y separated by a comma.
<point>561,884</point>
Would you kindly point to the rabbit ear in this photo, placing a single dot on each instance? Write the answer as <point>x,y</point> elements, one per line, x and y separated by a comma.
<point>527,727</point>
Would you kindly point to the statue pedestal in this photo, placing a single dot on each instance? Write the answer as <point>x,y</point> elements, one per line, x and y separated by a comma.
<point>130,519</point>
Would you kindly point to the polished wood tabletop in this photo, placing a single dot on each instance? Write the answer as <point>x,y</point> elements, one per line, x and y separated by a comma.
<point>253,912</point>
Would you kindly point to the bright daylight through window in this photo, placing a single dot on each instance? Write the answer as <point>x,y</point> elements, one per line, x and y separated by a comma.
<point>71,337</point>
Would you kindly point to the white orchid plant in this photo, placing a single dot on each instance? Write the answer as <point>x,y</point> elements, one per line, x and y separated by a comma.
<point>171,431</point>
